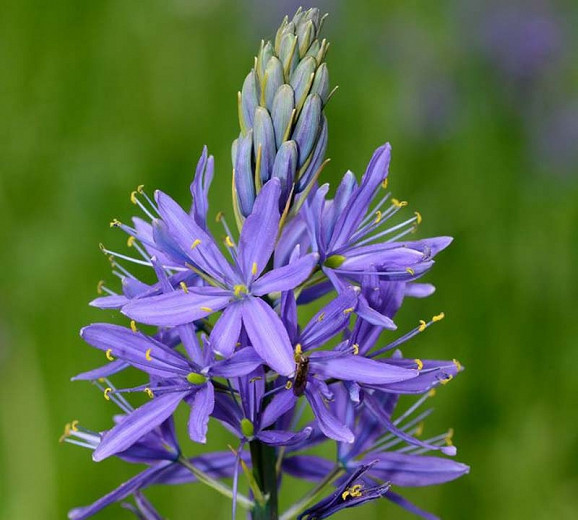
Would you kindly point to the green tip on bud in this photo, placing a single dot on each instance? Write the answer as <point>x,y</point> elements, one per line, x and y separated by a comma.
<point>247,428</point>
<point>196,379</point>
<point>334,261</point>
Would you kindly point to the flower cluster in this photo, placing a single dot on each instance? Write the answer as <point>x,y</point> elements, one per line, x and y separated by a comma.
<point>216,325</point>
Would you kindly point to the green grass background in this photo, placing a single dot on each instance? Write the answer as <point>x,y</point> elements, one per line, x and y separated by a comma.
<point>98,97</point>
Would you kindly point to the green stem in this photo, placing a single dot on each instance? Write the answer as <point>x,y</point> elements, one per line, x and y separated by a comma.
<point>242,500</point>
<point>313,495</point>
<point>264,459</point>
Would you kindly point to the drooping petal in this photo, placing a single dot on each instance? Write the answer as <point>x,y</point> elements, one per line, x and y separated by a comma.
<point>126,489</point>
<point>137,424</point>
<point>350,367</point>
<point>225,333</point>
<point>285,278</point>
<point>178,307</point>
<point>257,239</point>
<point>328,423</point>
<point>202,405</point>
<point>268,335</point>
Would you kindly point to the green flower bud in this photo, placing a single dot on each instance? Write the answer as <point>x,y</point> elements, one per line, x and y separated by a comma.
<point>196,379</point>
<point>247,428</point>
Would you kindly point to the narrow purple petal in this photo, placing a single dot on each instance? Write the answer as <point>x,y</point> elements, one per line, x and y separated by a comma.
<point>137,424</point>
<point>307,467</point>
<point>257,239</point>
<point>372,316</point>
<point>107,370</point>
<point>283,438</point>
<point>240,364</point>
<point>287,277</point>
<point>350,367</point>
<point>406,470</point>
<point>328,423</point>
<point>178,307</point>
<point>268,336</point>
<point>281,403</point>
<point>202,405</point>
<point>225,333</point>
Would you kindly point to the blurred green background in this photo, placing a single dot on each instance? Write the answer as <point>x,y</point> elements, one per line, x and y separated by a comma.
<point>480,103</point>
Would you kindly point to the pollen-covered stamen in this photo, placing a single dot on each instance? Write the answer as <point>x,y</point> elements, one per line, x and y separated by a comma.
<point>114,254</point>
<point>229,243</point>
<point>458,365</point>
<point>444,439</point>
<point>410,270</point>
<point>445,380</point>
<point>351,492</point>
<point>135,200</point>
<point>389,440</point>
<point>240,289</point>
<point>321,317</point>
<point>184,287</point>
<point>206,309</point>
<point>420,328</point>
<point>107,392</point>
<point>419,363</point>
<point>408,225</point>
<point>254,269</point>
<point>149,392</point>
<point>196,243</point>
<point>100,288</point>
<point>116,398</point>
<point>399,203</point>
<point>148,356</point>
<point>109,355</point>
<point>349,310</point>
<point>133,326</point>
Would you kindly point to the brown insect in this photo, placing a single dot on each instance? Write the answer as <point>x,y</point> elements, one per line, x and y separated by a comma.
<point>300,379</point>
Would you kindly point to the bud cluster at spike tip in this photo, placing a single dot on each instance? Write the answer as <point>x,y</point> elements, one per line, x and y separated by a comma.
<point>283,127</point>
<point>214,327</point>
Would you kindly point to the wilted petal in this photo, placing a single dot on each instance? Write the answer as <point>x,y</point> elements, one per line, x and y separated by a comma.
<point>268,335</point>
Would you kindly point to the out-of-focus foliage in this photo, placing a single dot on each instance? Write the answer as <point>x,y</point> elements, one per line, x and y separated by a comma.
<point>479,101</point>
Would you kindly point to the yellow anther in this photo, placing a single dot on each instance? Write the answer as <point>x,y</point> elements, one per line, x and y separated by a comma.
<point>66,432</point>
<point>133,198</point>
<point>418,218</point>
<point>148,356</point>
<point>195,243</point>
<point>239,289</point>
<point>133,326</point>
<point>422,325</point>
<point>449,437</point>
<point>419,429</point>
<point>298,351</point>
<point>321,317</point>
<point>355,347</point>
<point>446,380</point>
<point>130,241</point>
<point>184,287</point>
<point>254,268</point>
<point>206,309</point>
<point>106,392</point>
<point>378,217</point>
<point>109,355</point>
<point>410,270</point>
<point>439,317</point>
<point>99,286</point>
<point>140,188</point>
<point>219,216</point>
<point>74,425</point>
<point>384,183</point>
<point>101,379</point>
<point>432,392</point>
<point>458,365</point>
<point>101,247</point>
<point>399,203</point>
<point>115,223</point>
<point>349,310</point>
<point>353,491</point>
<point>289,384</point>
<point>419,363</point>
<point>229,242</point>
<point>149,392</point>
